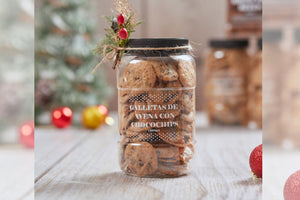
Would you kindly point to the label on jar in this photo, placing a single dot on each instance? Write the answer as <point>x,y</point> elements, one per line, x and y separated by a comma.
<point>157,114</point>
<point>227,84</point>
<point>245,16</point>
<point>247,6</point>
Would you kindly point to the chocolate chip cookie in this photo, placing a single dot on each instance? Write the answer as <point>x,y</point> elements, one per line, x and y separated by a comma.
<point>187,74</point>
<point>165,71</point>
<point>138,75</point>
<point>141,159</point>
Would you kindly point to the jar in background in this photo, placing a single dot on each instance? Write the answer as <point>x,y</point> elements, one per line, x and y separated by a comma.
<point>156,91</point>
<point>226,81</point>
<point>255,89</point>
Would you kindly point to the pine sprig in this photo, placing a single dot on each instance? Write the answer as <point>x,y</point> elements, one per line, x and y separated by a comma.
<point>119,31</point>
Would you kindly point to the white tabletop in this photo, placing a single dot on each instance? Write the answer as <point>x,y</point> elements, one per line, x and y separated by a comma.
<point>82,164</point>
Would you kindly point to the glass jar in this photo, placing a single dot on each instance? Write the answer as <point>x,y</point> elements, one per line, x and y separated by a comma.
<point>226,82</point>
<point>255,89</point>
<point>156,91</point>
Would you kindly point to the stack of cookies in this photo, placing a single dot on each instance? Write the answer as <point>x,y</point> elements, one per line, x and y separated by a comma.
<point>156,116</point>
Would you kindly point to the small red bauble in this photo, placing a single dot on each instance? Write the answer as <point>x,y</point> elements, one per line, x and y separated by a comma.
<point>62,117</point>
<point>27,134</point>
<point>292,187</point>
<point>121,19</point>
<point>255,161</point>
<point>123,34</point>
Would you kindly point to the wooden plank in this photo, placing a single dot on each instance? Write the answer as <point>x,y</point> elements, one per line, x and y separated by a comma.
<point>220,170</point>
<point>52,145</point>
<point>16,172</point>
<point>279,164</point>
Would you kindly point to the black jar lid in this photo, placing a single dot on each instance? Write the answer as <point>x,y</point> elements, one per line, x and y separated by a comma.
<point>157,43</point>
<point>229,43</point>
<point>260,43</point>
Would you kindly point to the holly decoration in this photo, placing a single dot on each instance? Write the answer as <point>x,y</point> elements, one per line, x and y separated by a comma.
<point>119,31</point>
<point>292,187</point>
<point>121,19</point>
<point>62,117</point>
<point>123,34</point>
<point>27,134</point>
<point>255,161</point>
<point>93,117</point>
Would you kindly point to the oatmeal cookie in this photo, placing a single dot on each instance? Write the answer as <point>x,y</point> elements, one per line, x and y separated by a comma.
<point>188,101</point>
<point>171,169</point>
<point>141,159</point>
<point>165,71</point>
<point>187,117</point>
<point>187,74</point>
<point>167,153</point>
<point>186,153</point>
<point>138,75</point>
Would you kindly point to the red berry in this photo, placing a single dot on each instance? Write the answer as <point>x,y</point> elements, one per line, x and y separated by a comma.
<point>123,34</point>
<point>255,161</point>
<point>292,187</point>
<point>121,19</point>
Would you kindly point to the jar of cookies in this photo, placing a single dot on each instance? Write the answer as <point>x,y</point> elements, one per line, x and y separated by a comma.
<point>156,91</point>
<point>255,89</point>
<point>226,82</point>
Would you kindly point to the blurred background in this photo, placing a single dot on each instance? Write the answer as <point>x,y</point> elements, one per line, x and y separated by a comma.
<point>17,97</point>
<point>67,31</point>
<point>281,89</point>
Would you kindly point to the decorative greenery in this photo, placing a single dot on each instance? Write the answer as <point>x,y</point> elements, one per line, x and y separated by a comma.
<point>64,61</point>
<point>114,31</point>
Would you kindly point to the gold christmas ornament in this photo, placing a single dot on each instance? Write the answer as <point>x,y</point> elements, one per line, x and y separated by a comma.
<point>92,118</point>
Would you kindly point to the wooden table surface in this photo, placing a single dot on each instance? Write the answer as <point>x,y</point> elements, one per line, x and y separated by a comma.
<point>83,164</point>
<point>16,173</point>
<point>279,164</point>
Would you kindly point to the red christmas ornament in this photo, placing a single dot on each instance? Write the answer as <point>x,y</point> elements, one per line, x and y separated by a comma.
<point>123,34</point>
<point>62,117</point>
<point>292,187</point>
<point>255,161</point>
<point>27,134</point>
<point>121,19</point>
<point>103,110</point>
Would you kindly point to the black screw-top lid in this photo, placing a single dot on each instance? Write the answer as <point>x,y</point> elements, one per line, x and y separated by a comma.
<point>259,43</point>
<point>229,43</point>
<point>157,42</point>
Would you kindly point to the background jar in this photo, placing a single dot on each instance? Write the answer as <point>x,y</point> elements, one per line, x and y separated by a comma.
<point>226,81</point>
<point>156,91</point>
